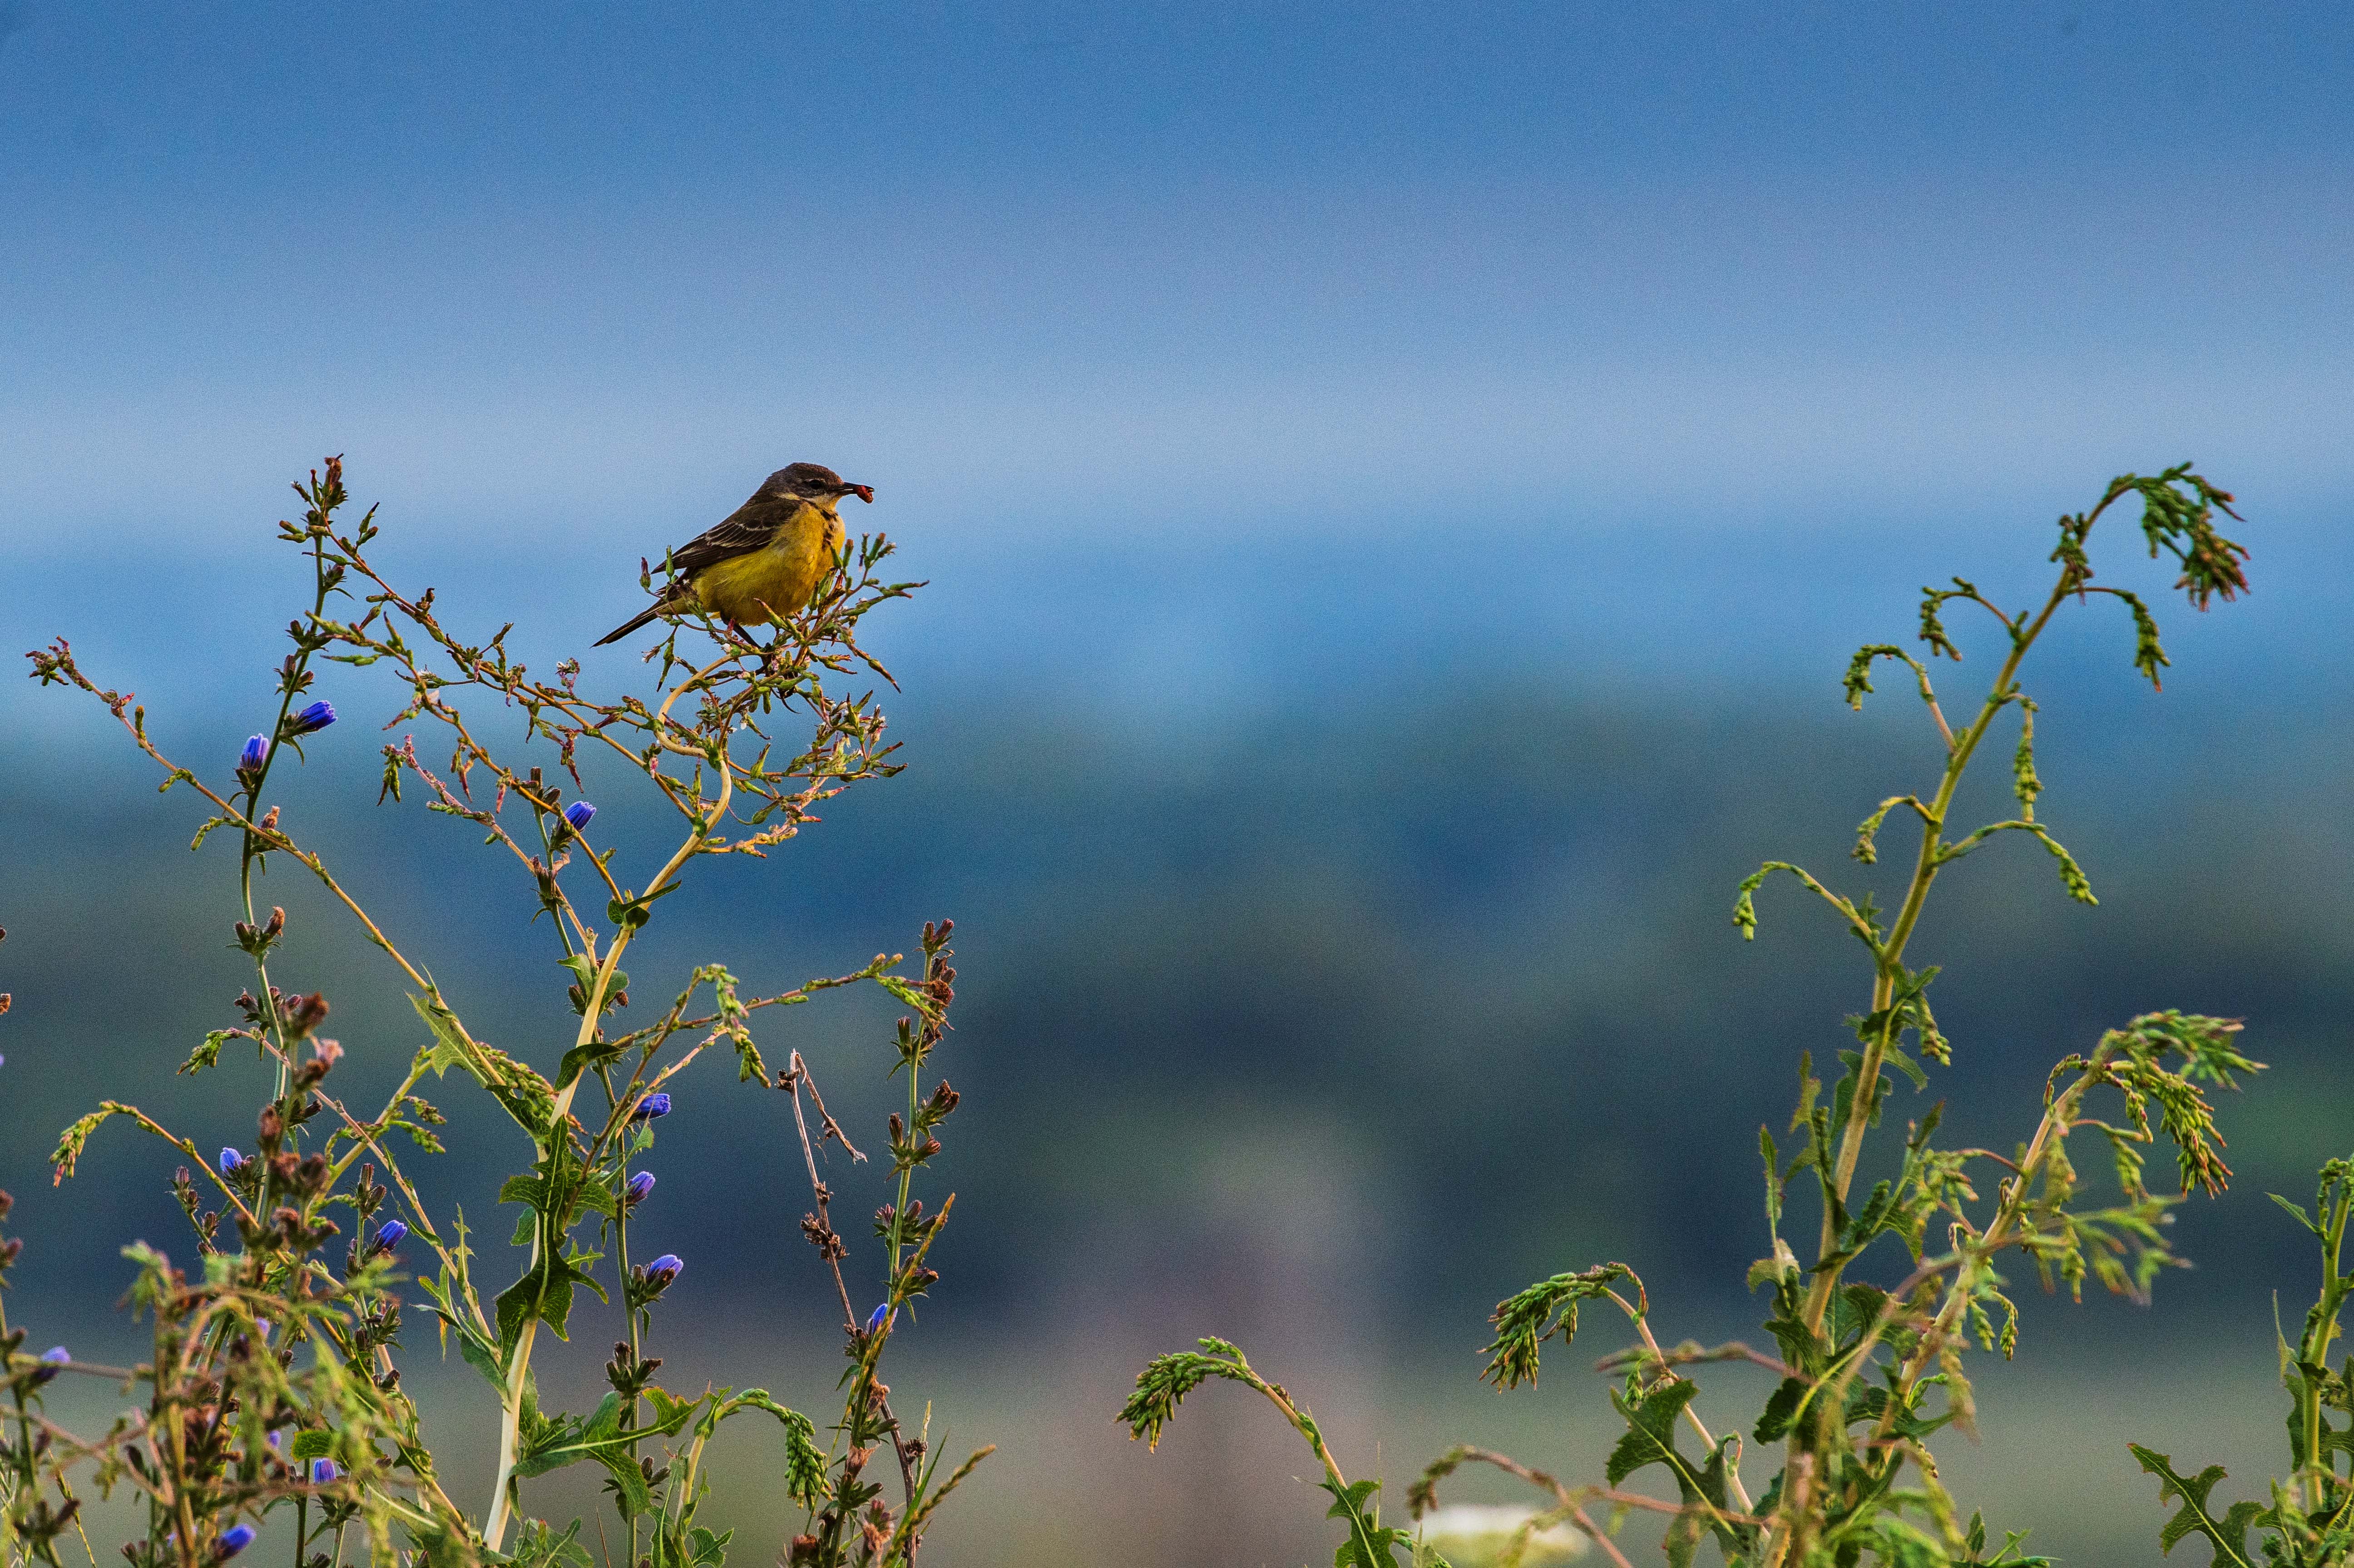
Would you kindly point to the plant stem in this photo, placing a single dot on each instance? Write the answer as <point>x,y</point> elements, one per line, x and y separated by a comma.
<point>510,1420</point>
<point>2313,1349</point>
<point>629,1314</point>
<point>249,854</point>
<point>1890,953</point>
<point>1643,1327</point>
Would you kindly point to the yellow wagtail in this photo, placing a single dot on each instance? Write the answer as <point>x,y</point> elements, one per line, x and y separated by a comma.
<point>764,561</point>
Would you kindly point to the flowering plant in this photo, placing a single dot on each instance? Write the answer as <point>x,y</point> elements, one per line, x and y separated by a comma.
<point>272,1399</point>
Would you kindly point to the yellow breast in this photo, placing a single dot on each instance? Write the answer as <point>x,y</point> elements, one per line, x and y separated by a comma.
<point>772,582</point>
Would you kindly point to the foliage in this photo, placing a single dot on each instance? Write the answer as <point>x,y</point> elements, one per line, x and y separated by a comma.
<point>1870,1372</point>
<point>274,1385</point>
<point>1162,1385</point>
<point>2309,1523</point>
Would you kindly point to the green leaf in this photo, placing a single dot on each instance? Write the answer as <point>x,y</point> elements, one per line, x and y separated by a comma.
<point>526,1097</point>
<point>478,1352</point>
<point>1781,1410</point>
<point>580,1058</point>
<point>1369,1544</point>
<point>1869,1221</point>
<point>1651,1440</point>
<point>2297,1210</point>
<point>313,1444</point>
<point>671,1412</point>
<point>538,1546</point>
<point>601,1438</point>
<point>545,1292</point>
<point>449,1043</point>
<point>632,912</point>
<point>1650,1430</point>
<point>2227,1534</point>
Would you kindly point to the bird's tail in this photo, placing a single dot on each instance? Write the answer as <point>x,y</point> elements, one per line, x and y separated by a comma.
<point>630,625</point>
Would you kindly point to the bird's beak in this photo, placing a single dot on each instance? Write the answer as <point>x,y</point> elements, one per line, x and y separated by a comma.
<point>864,492</point>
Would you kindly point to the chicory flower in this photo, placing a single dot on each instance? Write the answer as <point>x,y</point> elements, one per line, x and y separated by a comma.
<point>310,720</point>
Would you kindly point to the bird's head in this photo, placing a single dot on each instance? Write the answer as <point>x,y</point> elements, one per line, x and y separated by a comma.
<point>814,481</point>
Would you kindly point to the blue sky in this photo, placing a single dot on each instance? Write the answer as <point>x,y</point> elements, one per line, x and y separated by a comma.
<point>1607,283</point>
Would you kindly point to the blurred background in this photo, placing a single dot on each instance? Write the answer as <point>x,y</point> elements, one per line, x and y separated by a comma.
<point>1398,486</point>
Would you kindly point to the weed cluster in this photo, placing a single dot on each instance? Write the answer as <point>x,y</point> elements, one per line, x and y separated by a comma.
<point>274,1385</point>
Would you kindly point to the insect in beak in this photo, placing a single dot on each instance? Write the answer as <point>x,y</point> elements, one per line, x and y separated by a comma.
<point>864,492</point>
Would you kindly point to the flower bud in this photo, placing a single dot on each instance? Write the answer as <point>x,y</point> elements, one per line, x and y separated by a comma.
<point>233,1539</point>
<point>231,1162</point>
<point>653,1106</point>
<point>53,1358</point>
<point>256,752</point>
<point>390,1234</point>
<point>577,815</point>
<point>326,1472</point>
<point>878,1318</point>
<point>310,720</point>
<point>663,1270</point>
<point>634,1191</point>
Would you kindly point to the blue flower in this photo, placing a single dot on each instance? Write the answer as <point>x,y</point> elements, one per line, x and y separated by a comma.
<point>663,1270</point>
<point>880,1315</point>
<point>310,720</point>
<point>233,1539</point>
<point>651,1107</point>
<point>231,1161</point>
<point>256,752</point>
<point>390,1234</point>
<point>52,1359</point>
<point>634,1191</point>
<point>326,1472</point>
<point>577,815</point>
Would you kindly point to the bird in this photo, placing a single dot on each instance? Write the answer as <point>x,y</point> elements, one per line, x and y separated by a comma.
<point>764,560</point>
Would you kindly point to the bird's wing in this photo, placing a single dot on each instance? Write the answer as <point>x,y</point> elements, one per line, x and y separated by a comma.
<point>748,527</point>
